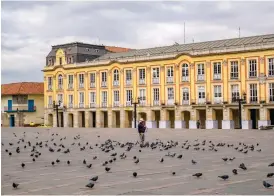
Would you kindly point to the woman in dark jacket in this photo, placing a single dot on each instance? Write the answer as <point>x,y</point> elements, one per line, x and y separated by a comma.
<point>142,129</point>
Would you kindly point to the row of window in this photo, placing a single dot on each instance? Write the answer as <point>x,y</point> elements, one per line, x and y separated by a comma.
<point>217,74</point>
<point>201,94</point>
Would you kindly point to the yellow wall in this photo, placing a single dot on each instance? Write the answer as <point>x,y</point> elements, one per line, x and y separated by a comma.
<point>208,61</point>
<point>4,101</point>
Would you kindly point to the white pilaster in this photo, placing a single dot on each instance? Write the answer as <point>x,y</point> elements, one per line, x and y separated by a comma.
<point>179,124</point>
<point>263,123</point>
<point>211,124</point>
<point>65,119</point>
<point>246,124</point>
<point>164,124</point>
<point>151,124</point>
<point>192,124</point>
<point>228,124</point>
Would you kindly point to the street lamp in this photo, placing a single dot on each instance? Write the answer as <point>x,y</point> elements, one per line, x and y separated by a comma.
<point>55,106</point>
<point>240,102</point>
<point>135,110</point>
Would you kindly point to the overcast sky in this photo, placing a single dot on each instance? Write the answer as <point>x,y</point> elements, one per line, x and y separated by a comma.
<point>30,28</point>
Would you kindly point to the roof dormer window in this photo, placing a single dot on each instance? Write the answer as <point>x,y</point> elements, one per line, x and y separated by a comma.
<point>96,50</point>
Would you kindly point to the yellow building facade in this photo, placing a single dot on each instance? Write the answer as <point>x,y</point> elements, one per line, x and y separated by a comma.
<point>177,86</point>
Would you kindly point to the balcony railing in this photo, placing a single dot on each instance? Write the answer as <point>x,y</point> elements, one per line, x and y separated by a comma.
<point>201,101</point>
<point>201,77</point>
<point>169,79</point>
<point>104,104</point>
<point>155,80</point>
<point>20,109</point>
<point>60,87</point>
<point>142,103</point>
<point>81,85</point>
<point>142,81</point>
<point>116,103</point>
<point>49,87</point>
<point>128,103</point>
<point>81,105</point>
<point>70,105</point>
<point>217,100</point>
<point>156,102</point>
<point>185,78</point>
<point>92,105</point>
<point>217,76</point>
<point>103,84</point>
<point>92,85</point>
<point>70,86</point>
<point>253,99</point>
<point>170,102</point>
<point>116,83</point>
<point>185,102</point>
<point>50,105</point>
<point>128,82</point>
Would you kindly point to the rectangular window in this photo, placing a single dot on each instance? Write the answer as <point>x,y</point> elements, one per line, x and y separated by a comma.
<point>49,83</point>
<point>50,101</point>
<point>217,91</point>
<point>234,70</point>
<point>92,79</point>
<point>253,93</point>
<point>60,99</point>
<point>271,92</point>
<point>185,70</point>
<point>81,97</point>
<point>252,68</point>
<point>70,81</point>
<point>201,94</point>
<point>142,76</point>
<point>271,66</point>
<point>170,93</point>
<point>128,75</point>
<point>104,76</point>
<point>116,96</point>
<point>128,97</point>
<point>70,99</point>
<point>92,97</point>
<point>217,71</point>
<point>60,60</point>
<point>185,95</point>
<point>155,72</point>
<point>81,80</point>
<point>169,71</point>
<point>142,96</point>
<point>201,72</point>
<point>104,96</point>
<point>235,93</point>
<point>156,94</point>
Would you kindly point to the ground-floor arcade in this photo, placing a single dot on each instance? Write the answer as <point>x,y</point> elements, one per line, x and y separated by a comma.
<point>182,117</point>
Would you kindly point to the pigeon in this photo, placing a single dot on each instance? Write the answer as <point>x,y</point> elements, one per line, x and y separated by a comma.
<point>15,185</point>
<point>7,150</point>
<point>173,173</point>
<point>193,162</point>
<point>89,166</point>
<point>68,162</point>
<point>225,159</point>
<point>134,174</point>
<point>95,157</point>
<point>137,161</point>
<point>10,153</point>
<point>94,178</point>
<point>198,175</point>
<point>269,175</point>
<point>57,161</point>
<point>33,159</point>
<point>23,165</point>
<point>234,171</point>
<point>107,169</point>
<point>267,185</point>
<point>134,157</point>
<point>224,177</point>
<point>180,156</point>
<point>52,163</point>
<point>90,185</point>
<point>84,161</point>
<point>242,166</point>
<point>271,165</point>
<point>162,160</point>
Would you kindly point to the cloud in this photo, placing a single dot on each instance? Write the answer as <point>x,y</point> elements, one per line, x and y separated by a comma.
<point>29,29</point>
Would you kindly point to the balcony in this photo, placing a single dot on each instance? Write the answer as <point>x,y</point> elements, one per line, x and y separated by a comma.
<point>217,77</point>
<point>169,79</point>
<point>155,80</point>
<point>60,87</point>
<point>128,82</point>
<point>116,104</point>
<point>50,87</point>
<point>201,101</point>
<point>104,104</point>
<point>217,100</point>
<point>81,85</point>
<point>20,108</point>
<point>201,77</point>
<point>92,105</point>
<point>50,105</point>
<point>253,99</point>
<point>142,103</point>
<point>116,83</point>
<point>70,86</point>
<point>156,102</point>
<point>185,78</point>
<point>128,103</point>
<point>81,105</point>
<point>70,105</point>
<point>92,85</point>
<point>185,102</point>
<point>142,81</point>
<point>170,102</point>
<point>103,84</point>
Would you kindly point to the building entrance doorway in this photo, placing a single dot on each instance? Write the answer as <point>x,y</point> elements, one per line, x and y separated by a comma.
<point>254,117</point>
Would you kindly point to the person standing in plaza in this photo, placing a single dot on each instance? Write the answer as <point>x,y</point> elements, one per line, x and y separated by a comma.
<point>198,124</point>
<point>142,129</point>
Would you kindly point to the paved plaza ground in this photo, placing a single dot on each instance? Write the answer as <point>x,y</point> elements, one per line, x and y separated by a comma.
<point>41,178</point>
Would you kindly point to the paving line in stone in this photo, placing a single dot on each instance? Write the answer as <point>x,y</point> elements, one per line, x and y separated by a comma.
<point>236,182</point>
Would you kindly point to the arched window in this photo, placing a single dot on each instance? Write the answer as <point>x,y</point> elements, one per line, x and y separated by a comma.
<point>116,77</point>
<point>60,82</point>
<point>185,73</point>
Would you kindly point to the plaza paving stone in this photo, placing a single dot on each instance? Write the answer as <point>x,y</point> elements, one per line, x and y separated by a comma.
<point>41,178</point>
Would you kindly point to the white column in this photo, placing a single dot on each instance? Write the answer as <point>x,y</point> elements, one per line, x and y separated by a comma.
<point>75,119</point>
<point>65,119</point>
<point>264,123</point>
<point>54,120</point>
<point>211,124</point>
<point>87,119</point>
<point>151,124</point>
<point>246,124</point>
<point>228,124</point>
<point>193,124</point>
<point>164,124</point>
<point>179,124</point>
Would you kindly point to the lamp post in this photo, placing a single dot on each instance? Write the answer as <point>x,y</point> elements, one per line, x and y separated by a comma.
<point>55,106</point>
<point>135,110</point>
<point>240,102</point>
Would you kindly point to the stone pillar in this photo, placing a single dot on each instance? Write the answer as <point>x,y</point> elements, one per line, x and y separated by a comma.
<point>210,123</point>
<point>54,120</point>
<point>87,119</point>
<point>227,122</point>
<point>179,123</point>
<point>76,119</point>
<point>246,124</point>
<point>110,120</point>
<point>98,119</point>
<point>65,119</point>
<point>150,123</point>
<point>164,123</point>
<point>193,119</point>
<point>264,121</point>
<point>122,119</point>
<point>46,120</point>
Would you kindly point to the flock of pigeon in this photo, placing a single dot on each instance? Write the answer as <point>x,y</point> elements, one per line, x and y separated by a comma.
<point>56,145</point>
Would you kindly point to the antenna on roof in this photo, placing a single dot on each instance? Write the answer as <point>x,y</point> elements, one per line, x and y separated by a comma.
<point>184,32</point>
<point>239,32</point>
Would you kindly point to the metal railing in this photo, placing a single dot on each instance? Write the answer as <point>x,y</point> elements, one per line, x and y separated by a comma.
<point>92,105</point>
<point>253,99</point>
<point>104,104</point>
<point>169,79</point>
<point>116,83</point>
<point>70,86</point>
<point>201,77</point>
<point>156,102</point>
<point>20,108</point>
<point>116,104</point>
<point>217,76</point>
<point>128,82</point>
<point>50,105</point>
<point>81,105</point>
<point>185,78</point>
<point>142,81</point>
<point>60,87</point>
<point>81,85</point>
<point>217,100</point>
<point>185,102</point>
<point>155,80</point>
<point>142,103</point>
<point>49,87</point>
<point>103,84</point>
<point>128,103</point>
<point>170,102</point>
<point>70,105</point>
<point>92,85</point>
